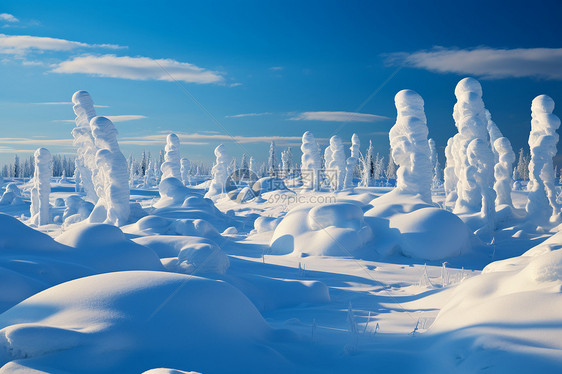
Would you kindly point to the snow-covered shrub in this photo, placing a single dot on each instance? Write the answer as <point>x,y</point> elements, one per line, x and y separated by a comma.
<point>171,166</point>
<point>337,163</point>
<point>410,149</point>
<point>310,162</point>
<point>11,195</point>
<point>351,163</point>
<point>474,160</point>
<point>542,206</point>
<point>185,166</point>
<point>40,209</point>
<point>219,172</point>
<point>113,204</point>
<point>84,143</point>
<point>503,171</point>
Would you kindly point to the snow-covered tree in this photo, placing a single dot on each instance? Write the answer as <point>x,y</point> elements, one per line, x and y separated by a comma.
<point>84,143</point>
<point>252,166</point>
<point>410,149</point>
<point>113,204</point>
<point>351,163</point>
<point>474,159</point>
<point>219,172</point>
<point>337,163</point>
<point>310,162</point>
<point>149,178</point>
<point>390,168</point>
<point>542,206</point>
<point>271,163</point>
<point>171,168</point>
<point>368,166</point>
<point>503,171</point>
<point>286,162</point>
<point>185,166</point>
<point>40,209</point>
<point>522,168</point>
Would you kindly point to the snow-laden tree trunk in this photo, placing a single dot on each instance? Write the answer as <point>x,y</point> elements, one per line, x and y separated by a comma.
<point>185,166</point>
<point>40,209</point>
<point>542,206</point>
<point>410,149</point>
<point>310,162</point>
<point>171,167</point>
<point>271,163</point>
<point>474,160</point>
<point>351,163</point>
<point>219,172</point>
<point>337,163</point>
<point>113,205</point>
<point>84,143</point>
<point>503,171</point>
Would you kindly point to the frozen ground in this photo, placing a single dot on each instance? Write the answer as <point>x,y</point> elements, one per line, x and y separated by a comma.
<point>230,287</point>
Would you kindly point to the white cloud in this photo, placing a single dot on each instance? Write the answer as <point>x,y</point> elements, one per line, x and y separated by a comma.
<point>21,44</point>
<point>276,68</point>
<point>138,68</point>
<point>486,62</point>
<point>338,117</point>
<point>248,115</point>
<point>37,142</point>
<point>66,103</point>
<point>7,17</point>
<point>204,139</point>
<point>119,118</point>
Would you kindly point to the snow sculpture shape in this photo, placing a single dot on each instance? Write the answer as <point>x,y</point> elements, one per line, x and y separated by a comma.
<point>310,162</point>
<point>171,166</point>
<point>185,166</point>
<point>542,206</point>
<point>503,171</point>
<point>40,214</point>
<point>449,176</point>
<point>219,172</point>
<point>351,163</point>
<point>473,155</point>
<point>113,204</point>
<point>410,149</point>
<point>337,163</point>
<point>84,143</point>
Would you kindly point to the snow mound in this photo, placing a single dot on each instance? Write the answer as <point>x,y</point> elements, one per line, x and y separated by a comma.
<point>268,184</point>
<point>173,193</point>
<point>431,234</point>
<point>188,254</point>
<point>323,230</point>
<point>105,248</point>
<point>266,224</point>
<point>16,237</point>
<point>152,225</point>
<point>11,195</point>
<point>120,322</point>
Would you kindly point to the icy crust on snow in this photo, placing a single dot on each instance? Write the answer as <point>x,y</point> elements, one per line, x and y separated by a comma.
<point>84,143</point>
<point>171,168</point>
<point>113,187</point>
<point>310,161</point>
<point>106,320</point>
<point>322,230</point>
<point>542,206</point>
<point>40,208</point>
<point>409,146</point>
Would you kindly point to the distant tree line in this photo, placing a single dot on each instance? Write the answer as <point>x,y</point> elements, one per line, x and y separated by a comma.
<point>24,168</point>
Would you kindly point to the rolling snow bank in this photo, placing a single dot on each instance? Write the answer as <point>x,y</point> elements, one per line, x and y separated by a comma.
<point>322,230</point>
<point>157,225</point>
<point>406,224</point>
<point>187,254</point>
<point>31,261</point>
<point>129,322</point>
<point>508,318</point>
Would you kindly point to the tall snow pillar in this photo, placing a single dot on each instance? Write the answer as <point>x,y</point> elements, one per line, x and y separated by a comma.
<point>40,210</point>
<point>172,164</point>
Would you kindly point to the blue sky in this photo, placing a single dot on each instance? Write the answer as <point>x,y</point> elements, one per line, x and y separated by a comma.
<point>245,72</point>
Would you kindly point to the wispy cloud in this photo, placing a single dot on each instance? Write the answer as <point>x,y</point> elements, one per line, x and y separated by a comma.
<point>7,17</point>
<point>119,118</point>
<point>205,139</point>
<point>67,103</point>
<point>276,68</point>
<point>37,142</point>
<point>248,115</point>
<point>22,44</point>
<point>138,68</point>
<point>486,62</point>
<point>338,117</point>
